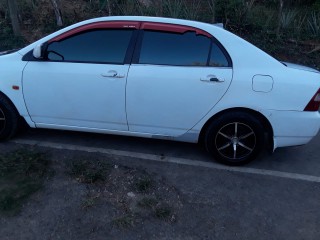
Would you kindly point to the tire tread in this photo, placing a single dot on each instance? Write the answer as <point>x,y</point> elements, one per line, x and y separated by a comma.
<point>12,115</point>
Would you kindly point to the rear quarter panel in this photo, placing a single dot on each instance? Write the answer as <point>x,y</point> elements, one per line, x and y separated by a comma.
<point>292,89</point>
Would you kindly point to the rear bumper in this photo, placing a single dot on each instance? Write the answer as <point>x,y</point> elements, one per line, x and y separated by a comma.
<point>290,141</point>
<point>291,128</point>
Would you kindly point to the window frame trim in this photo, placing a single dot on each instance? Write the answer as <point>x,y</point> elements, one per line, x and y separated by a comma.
<point>173,28</point>
<point>97,25</point>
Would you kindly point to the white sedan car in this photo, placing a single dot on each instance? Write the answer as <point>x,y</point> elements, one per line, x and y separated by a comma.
<point>160,78</point>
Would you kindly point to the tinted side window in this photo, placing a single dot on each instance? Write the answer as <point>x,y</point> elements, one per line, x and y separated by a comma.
<point>98,46</point>
<point>217,58</point>
<point>164,48</point>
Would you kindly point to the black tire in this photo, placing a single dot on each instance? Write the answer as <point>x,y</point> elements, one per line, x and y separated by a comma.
<point>9,119</point>
<point>235,138</point>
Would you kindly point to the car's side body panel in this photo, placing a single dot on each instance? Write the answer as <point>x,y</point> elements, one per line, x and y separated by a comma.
<point>293,128</point>
<point>170,100</point>
<point>76,94</point>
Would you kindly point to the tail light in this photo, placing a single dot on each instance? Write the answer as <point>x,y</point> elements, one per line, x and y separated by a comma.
<point>314,103</point>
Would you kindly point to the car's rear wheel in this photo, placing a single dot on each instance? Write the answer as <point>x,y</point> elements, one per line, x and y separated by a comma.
<point>9,119</point>
<point>235,138</point>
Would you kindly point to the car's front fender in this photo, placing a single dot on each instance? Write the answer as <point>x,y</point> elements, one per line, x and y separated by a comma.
<point>11,70</point>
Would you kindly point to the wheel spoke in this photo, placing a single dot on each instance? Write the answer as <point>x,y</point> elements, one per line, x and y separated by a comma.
<point>234,151</point>
<point>247,135</point>
<point>244,146</point>
<point>224,147</point>
<point>224,135</point>
<point>235,129</point>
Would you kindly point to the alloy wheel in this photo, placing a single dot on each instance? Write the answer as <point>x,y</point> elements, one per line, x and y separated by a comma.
<point>235,141</point>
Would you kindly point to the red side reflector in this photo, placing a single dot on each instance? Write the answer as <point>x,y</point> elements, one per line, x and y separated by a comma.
<point>314,103</point>
<point>14,87</point>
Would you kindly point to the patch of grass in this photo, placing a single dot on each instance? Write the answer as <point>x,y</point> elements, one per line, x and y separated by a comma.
<point>158,209</point>
<point>148,202</point>
<point>144,184</point>
<point>88,203</point>
<point>89,171</point>
<point>22,173</point>
<point>124,222</point>
<point>163,212</point>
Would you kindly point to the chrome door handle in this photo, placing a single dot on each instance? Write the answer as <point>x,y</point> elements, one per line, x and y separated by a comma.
<point>212,78</point>
<point>112,74</point>
<point>215,79</point>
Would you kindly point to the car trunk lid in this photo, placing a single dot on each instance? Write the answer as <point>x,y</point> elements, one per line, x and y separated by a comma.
<point>300,67</point>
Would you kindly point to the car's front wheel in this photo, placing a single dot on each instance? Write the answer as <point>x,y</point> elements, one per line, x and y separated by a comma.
<point>235,138</point>
<point>9,118</point>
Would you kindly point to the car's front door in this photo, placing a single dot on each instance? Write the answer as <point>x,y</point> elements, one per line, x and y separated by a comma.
<point>177,77</point>
<point>82,81</point>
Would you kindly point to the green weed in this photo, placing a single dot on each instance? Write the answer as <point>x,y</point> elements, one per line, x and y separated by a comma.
<point>148,202</point>
<point>22,173</point>
<point>124,222</point>
<point>164,212</point>
<point>144,184</point>
<point>89,171</point>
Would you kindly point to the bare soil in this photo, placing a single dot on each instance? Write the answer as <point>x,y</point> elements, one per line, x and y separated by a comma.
<point>139,199</point>
<point>124,202</point>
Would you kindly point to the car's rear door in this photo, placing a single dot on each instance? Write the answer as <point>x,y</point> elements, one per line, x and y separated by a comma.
<point>82,82</point>
<point>178,74</point>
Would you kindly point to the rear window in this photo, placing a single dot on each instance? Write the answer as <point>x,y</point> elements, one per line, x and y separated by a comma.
<point>218,58</point>
<point>163,48</point>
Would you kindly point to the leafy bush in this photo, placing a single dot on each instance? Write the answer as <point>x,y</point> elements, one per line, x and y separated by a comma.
<point>300,19</point>
<point>7,39</point>
<point>314,24</point>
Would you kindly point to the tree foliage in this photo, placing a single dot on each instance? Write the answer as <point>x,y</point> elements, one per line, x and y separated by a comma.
<point>297,19</point>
